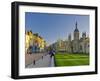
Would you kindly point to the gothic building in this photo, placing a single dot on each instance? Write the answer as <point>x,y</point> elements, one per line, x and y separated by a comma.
<point>79,44</point>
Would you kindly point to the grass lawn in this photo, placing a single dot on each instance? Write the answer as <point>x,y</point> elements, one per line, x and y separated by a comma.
<point>71,59</point>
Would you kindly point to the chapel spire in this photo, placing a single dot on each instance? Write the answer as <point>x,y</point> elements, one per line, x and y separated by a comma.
<point>76,29</point>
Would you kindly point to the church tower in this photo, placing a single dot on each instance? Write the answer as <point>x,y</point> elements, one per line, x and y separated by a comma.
<point>84,44</point>
<point>69,44</point>
<point>76,33</point>
<point>76,40</point>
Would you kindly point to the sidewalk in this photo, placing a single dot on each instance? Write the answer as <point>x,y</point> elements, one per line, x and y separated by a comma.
<point>46,61</point>
<point>29,58</point>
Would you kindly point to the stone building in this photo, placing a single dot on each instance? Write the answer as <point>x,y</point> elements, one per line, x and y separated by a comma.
<point>79,44</point>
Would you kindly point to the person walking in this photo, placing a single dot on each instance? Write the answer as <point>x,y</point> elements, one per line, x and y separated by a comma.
<point>51,52</point>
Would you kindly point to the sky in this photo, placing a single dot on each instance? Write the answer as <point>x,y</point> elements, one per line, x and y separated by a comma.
<point>55,26</point>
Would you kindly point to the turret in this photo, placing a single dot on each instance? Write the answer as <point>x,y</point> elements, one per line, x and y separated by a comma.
<point>84,35</point>
<point>69,37</point>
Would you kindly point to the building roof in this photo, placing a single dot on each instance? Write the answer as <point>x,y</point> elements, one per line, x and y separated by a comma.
<point>76,29</point>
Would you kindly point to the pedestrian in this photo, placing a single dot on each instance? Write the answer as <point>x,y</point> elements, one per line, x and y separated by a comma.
<point>51,52</point>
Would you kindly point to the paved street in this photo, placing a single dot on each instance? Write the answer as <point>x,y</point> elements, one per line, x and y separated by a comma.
<point>52,62</point>
<point>29,58</point>
<point>46,61</point>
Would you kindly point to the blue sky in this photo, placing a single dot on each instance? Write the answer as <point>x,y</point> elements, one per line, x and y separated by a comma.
<point>55,26</point>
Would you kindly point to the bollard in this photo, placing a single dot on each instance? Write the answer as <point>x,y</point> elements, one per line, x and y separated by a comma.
<point>42,57</point>
<point>34,62</point>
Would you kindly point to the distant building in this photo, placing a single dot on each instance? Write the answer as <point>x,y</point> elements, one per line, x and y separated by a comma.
<point>77,45</point>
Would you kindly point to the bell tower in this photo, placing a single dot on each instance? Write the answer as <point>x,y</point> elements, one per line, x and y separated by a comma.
<point>76,40</point>
<point>76,32</point>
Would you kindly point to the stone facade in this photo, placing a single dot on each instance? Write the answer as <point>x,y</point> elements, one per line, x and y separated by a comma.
<point>79,44</point>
